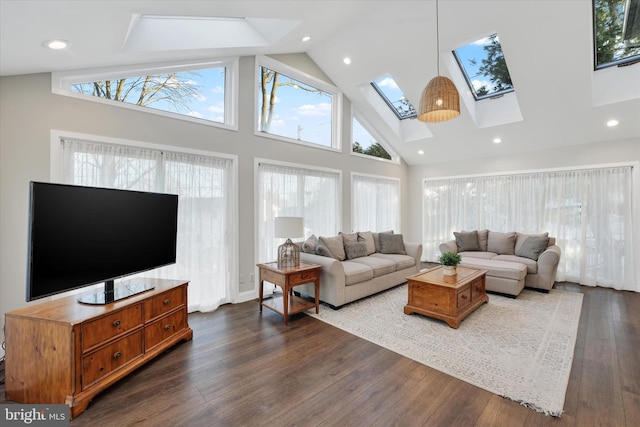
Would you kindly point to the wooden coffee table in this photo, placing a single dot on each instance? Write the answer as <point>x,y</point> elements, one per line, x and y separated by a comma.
<point>448,298</point>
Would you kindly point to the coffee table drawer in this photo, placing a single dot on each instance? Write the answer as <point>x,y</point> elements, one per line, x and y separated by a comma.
<point>463,297</point>
<point>478,288</point>
<point>430,298</point>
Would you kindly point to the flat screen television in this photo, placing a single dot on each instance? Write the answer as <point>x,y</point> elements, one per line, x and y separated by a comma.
<point>81,236</point>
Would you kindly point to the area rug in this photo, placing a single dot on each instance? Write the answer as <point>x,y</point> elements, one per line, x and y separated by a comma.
<point>520,349</point>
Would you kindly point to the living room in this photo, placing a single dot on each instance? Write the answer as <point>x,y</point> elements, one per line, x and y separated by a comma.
<point>34,118</point>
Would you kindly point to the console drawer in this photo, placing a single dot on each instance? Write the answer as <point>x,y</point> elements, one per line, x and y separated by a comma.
<point>102,329</point>
<point>161,329</point>
<point>107,359</point>
<point>164,303</point>
<point>303,277</point>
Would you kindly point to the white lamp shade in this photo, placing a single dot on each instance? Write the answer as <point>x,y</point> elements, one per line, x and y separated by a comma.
<point>288,227</point>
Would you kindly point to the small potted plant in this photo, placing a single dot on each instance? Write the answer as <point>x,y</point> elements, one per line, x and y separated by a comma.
<point>449,260</point>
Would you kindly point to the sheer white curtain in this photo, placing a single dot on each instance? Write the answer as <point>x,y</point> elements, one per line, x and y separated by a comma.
<point>205,220</point>
<point>375,203</point>
<point>295,191</point>
<point>589,211</point>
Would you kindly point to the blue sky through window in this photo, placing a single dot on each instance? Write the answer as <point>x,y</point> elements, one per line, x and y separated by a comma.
<point>205,101</point>
<point>389,90</point>
<point>473,57</point>
<point>301,111</point>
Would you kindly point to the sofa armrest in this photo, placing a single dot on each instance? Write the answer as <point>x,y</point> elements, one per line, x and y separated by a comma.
<point>414,250</point>
<point>449,246</point>
<point>332,278</point>
<point>548,266</point>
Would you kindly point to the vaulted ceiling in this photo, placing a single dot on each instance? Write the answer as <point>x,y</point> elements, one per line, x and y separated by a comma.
<point>560,99</point>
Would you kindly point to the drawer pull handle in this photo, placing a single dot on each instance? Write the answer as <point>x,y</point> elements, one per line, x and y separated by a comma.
<point>116,323</point>
<point>167,327</point>
<point>167,301</point>
<point>117,355</point>
<point>463,296</point>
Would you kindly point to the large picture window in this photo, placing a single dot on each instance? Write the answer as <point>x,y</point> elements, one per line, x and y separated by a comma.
<point>589,211</point>
<point>295,107</point>
<point>290,190</point>
<point>205,206</point>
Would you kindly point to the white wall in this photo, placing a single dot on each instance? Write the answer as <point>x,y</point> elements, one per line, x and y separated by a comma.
<point>29,111</point>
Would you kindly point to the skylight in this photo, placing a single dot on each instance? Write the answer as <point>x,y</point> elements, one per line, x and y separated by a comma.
<point>616,32</point>
<point>388,89</point>
<point>484,67</point>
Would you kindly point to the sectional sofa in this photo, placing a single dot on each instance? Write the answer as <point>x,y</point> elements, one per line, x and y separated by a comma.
<point>360,264</point>
<point>512,260</point>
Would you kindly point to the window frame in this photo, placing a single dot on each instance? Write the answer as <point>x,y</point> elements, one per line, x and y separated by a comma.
<point>61,83</point>
<point>389,103</point>
<point>463,70</point>
<point>290,72</point>
<point>634,59</point>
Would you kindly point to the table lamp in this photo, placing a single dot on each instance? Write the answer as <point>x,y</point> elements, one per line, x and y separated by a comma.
<point>288,252</point>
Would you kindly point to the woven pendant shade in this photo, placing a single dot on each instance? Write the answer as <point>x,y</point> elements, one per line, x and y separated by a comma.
<point>440,101</point>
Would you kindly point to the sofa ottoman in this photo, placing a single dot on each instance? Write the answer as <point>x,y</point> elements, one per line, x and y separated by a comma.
<point>503,277</point>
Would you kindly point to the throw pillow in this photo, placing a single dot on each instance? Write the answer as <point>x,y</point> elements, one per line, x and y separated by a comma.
<point>483,236</point>
<point>467,241</point>
<point>367,237</point>
<point>501,243</point>
<point>355,249</point>
<point>322,250</point>
<point>353,237</point>
<point>335,246</point>
<point>309,245</point>
<point>376,238</point>
<point>531,246</point>
<point>391,244</point>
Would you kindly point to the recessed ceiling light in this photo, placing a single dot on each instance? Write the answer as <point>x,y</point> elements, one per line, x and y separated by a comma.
<point>612,123</point>
<point>347,60</point>
<point>497,140</point>
<point>421,152</point>
<point>306,38</point>
<point>56,44</point>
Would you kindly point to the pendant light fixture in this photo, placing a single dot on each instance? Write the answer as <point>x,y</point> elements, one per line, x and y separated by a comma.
<point>440,100</point>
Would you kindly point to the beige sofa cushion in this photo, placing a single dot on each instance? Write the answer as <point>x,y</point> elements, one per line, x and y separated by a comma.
<point>532,266</point>
<point>402,261</point>
<point>356,272</point>
<point>507,270</point>
<point>367,238</point>
<point>380,266</point>
<point>501,243</point>
<point>335,246</point>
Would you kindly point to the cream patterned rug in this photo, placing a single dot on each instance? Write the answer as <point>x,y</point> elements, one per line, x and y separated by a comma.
<point>521,349</point>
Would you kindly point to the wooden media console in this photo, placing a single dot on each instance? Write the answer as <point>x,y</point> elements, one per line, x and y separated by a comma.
<point>63,351</point>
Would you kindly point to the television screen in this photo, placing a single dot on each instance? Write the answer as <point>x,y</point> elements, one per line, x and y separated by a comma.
<point>79,236</point>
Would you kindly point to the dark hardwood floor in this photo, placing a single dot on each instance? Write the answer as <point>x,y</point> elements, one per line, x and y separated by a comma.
<point>247,369</point>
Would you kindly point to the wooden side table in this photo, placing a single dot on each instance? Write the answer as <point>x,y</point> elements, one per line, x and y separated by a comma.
<point>287,279</point>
